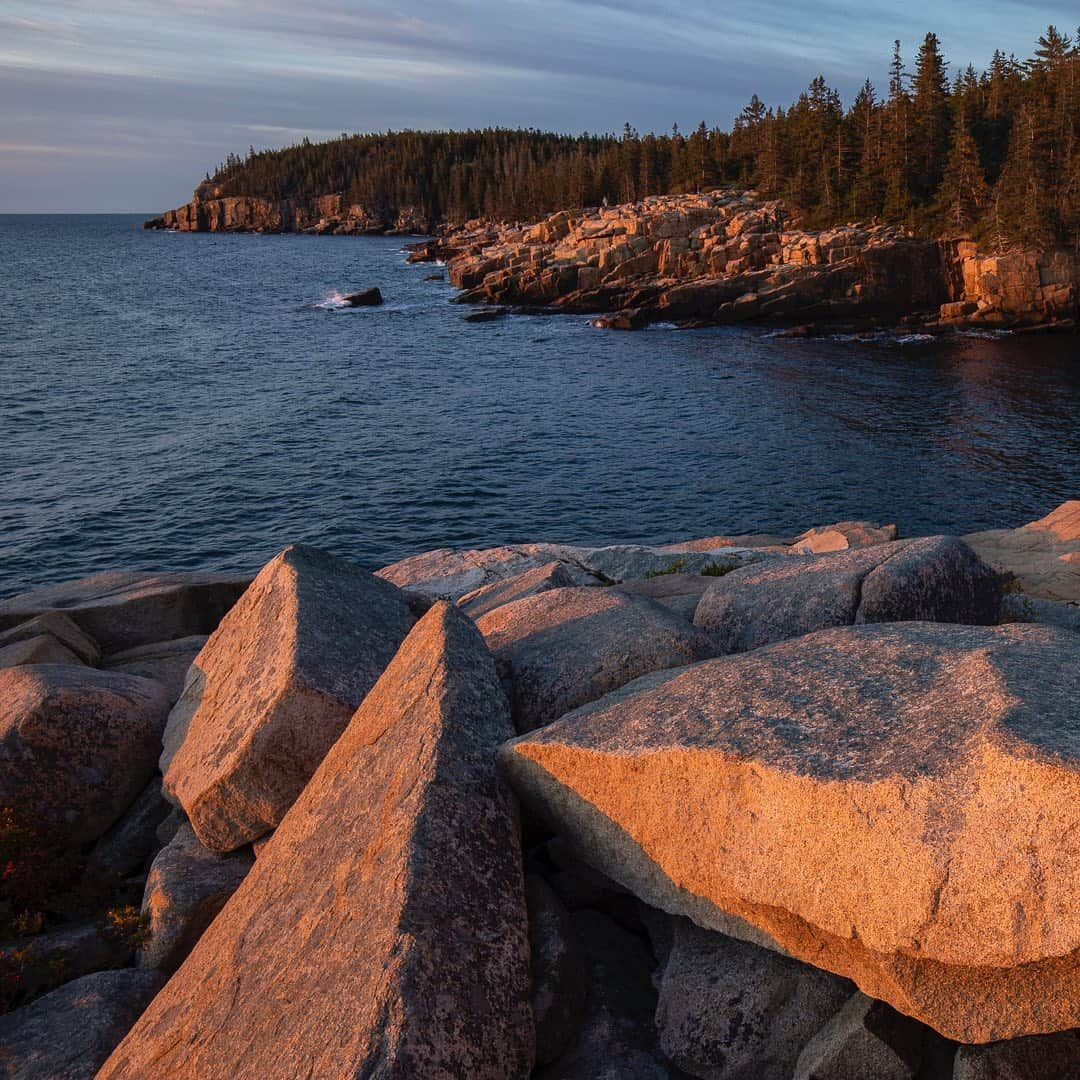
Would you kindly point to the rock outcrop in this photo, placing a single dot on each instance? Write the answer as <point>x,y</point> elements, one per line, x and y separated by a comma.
<point>212,211</point>
<point>728,1009</point>
<point>382,931</point>
<point>1043,556</point>
<point>936,578</point>
<point>1019,288</point>
<point>186,887</point>
<point>119,610</point>
<point>716,257</point>
<point>853,795</point>
<point>565,647</point>
<point>76,745</point>
<point>67,1034</point>
<point>272,690</point>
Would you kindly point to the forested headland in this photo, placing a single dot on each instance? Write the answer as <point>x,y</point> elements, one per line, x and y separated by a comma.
<point>993,153</point>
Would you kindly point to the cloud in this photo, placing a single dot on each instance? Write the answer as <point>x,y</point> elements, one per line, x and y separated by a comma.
<point>188,81</point>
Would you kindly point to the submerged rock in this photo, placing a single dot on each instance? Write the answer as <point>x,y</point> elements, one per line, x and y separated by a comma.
<point>272,690</point>
<point>852,794</point>
<point>76,746</point>
<point>564,647</point>
<point>402,853</point>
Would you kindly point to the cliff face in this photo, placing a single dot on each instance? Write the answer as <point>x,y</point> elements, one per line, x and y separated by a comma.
<point>1014,289</point>
<point>716,257</point>
<point>210,211</point>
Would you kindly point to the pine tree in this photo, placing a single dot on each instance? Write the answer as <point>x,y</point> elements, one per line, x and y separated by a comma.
<point>963,193</point>
<point>930,116</point>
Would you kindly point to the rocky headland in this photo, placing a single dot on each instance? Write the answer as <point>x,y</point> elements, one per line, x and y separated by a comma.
<point>729,257</point>
<point>717,257</point>
<point>737,806</point>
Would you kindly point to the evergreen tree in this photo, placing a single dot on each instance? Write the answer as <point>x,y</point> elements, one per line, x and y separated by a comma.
<point>963,193</point>
<point>930,117</point>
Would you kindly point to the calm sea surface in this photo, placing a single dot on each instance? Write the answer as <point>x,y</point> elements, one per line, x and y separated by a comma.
<point>180,401</point>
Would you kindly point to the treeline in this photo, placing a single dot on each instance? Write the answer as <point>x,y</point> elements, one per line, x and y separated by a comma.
<point>993,153</point>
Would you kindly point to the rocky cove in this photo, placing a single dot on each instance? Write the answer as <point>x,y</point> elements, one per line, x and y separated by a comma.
<point>733,806</point>
<point>701,259</point>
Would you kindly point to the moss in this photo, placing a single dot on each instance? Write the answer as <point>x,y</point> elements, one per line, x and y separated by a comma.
<point>715,569</point>
<point>675,568</point>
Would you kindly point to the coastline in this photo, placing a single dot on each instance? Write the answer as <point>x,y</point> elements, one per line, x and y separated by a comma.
<point>707,259</point>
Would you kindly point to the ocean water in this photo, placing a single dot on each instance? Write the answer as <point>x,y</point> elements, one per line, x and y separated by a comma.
<point>175,401</point>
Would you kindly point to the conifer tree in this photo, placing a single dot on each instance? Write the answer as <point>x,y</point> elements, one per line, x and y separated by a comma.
<point>963,194</point>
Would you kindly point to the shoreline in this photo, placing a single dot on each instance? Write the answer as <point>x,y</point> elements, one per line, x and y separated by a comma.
<point>710,259</point>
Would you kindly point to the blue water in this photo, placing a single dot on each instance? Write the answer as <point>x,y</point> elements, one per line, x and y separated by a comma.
<point>180,401</point>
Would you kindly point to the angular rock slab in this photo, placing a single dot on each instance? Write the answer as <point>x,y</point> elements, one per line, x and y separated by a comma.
<point>552,575</point>
<point>121,610</point>
<point>76,745</point>
<point>937,578</point>
<point>1038,1057</point>
<point>1044,555</point>
<point>67,1034</point>
<point>565,647</point>
<point>382,931</point>
<point>273,688</point>
<point>186,887</point>
<point>59,627</point>
<point>43,649</point>
<point>897,804</point>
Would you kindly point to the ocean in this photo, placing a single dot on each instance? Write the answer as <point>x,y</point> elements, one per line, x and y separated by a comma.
<point>182,401</point>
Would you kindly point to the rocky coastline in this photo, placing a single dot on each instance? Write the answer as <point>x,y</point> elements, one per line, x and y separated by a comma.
<point>741,805</point>
<point>729,257</point>
<point>700,259</point>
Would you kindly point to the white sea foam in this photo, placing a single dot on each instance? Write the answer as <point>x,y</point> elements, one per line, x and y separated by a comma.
<point>331,300</point>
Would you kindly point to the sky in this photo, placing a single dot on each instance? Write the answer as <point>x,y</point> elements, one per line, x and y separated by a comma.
<point>123,105</point>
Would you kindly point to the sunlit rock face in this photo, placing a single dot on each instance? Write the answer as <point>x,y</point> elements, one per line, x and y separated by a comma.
<point>382,931</point>
<point>894,803</point>
<point>1043,556</point>
<point>273,688</point>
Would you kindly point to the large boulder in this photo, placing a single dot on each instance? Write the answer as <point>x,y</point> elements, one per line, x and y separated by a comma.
<point>186,887</point>
<point>76,745</point>
<point>446,574</point>
<point>1043,555</point>
<point>841,537</point>
<point>165,661</point>
<point>67,1034</point>
<point>1038,1057</point>
<point>272,690</point>
<point>45,960</point>
<point>852,795</point>
<point>562,648</point>
<point>552,575</point>
<point>729,1010</point>
<point>630,562</point>
<point>382,931</point>
<point>866,1038</point>
<point>122,610</point>
<point>934,578</point>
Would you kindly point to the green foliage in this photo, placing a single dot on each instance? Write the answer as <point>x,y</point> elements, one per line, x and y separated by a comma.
<point>676,567</point>
<point>715,569</point>
<point>996,153</point>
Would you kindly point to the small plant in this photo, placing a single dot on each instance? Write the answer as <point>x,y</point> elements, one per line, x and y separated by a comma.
<point>675,568</point>
<point>715,569</point>
<point>128,925</point>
